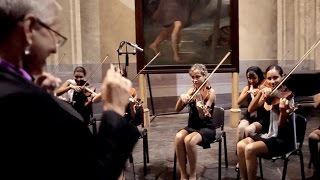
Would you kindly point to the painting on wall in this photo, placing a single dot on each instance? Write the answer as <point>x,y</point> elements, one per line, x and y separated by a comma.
<point>186,32</point>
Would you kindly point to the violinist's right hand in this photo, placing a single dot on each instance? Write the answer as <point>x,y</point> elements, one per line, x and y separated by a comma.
<point>253,91</point>
<point>185,98</point>
<point>75,87</point>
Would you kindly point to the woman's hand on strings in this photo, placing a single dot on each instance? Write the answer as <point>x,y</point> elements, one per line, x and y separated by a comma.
<point>75,87</point>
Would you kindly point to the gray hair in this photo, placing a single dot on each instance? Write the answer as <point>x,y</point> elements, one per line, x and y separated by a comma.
<point>201,67</point>
<point>12,10</point>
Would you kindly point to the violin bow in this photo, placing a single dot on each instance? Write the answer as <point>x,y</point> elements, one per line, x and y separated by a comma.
<point>296,66</point>
<point>214,70</point>
<point>146,65</point>
<point>60,60</point>
<point>95,70</point>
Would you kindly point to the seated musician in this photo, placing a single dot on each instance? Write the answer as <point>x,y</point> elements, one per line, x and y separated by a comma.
<point>251,123</point>
<point>314,139</point>
<point>275,141</point>
<point>77,93</point>
<point>200,129</point>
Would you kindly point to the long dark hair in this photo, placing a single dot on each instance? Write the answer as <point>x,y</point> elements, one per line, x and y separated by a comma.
<point>257,71</point>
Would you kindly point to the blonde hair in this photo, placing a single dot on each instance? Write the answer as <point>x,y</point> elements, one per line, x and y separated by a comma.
<point>201,67</point>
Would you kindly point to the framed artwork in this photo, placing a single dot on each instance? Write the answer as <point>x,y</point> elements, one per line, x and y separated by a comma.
<point>186,32</point>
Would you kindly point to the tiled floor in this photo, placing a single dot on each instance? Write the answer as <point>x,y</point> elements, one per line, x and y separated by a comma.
<point>161,135</point>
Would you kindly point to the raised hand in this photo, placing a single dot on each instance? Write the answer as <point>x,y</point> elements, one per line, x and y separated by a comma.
<point>115,91</point>
<point>48,82</point>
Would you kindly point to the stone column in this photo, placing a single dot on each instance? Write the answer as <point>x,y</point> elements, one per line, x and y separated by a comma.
<point>75,32</point>
<point>235,112</point>
<point>298,28</point>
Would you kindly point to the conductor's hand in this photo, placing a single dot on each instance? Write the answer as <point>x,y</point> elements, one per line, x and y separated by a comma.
<point>115,91</point>
<point>48,82</point>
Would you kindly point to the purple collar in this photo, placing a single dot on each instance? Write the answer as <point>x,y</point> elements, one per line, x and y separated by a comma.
<point>15,69</point>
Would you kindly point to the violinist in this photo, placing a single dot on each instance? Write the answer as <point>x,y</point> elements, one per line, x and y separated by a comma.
<point>200,129</point>
<point>314,139</point>
<point>275,141</point>
<point>77,93</point>
<point>250,124</point>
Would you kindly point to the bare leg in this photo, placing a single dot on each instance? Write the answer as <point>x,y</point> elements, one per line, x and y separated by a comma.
<point>181,153</point>
<point>314,139</point>
<point>251,152</point>
<point>241,127</point>
<point>191,146</point>
<point>241,146</point>
<point>175,40</point>
<point>252,129</point>
<point>161,37</point>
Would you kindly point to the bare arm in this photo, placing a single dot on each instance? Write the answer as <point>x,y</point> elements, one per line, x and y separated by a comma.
<point>97,98</point>
<point>212,98</point>
<point>63,89</point>
<point>257,102</point>
<point>244,95</point>
<point>181,103</point>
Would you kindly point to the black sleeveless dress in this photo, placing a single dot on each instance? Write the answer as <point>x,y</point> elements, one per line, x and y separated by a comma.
<point>205,127</point>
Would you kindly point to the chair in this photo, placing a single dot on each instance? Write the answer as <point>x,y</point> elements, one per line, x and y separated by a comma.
<point>298,133</point>
<point>218,116</point>
<point>144,137</point>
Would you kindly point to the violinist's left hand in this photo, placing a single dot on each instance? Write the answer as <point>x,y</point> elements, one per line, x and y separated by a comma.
<point>284,104</point>
<point>47,81</point>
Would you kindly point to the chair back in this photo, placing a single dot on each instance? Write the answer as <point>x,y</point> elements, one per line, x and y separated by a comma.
<point>299,128</point>
<point>218,117</point>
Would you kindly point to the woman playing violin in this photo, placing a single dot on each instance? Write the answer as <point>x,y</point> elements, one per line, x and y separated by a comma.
<point>276,140</point>
<point>251,123</point>
<point>77,93</point>
<point>200,129</point>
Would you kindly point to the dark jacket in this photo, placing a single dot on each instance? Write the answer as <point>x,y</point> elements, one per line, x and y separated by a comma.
<point>43,137</point>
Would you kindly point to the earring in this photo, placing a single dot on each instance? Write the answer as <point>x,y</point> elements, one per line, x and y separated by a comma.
<point>27,50</point>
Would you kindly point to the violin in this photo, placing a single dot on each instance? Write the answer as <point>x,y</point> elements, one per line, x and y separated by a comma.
<point>201,98</point>
<point>273,96</point>
<point>136,101</point>
<point>87,90</point>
